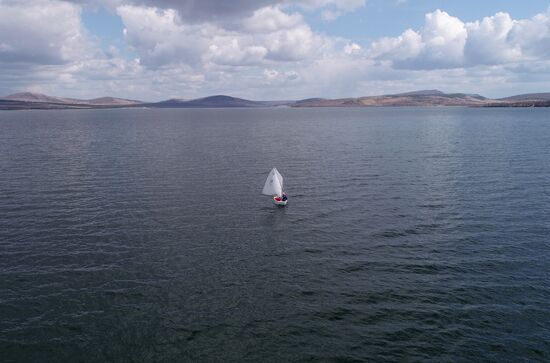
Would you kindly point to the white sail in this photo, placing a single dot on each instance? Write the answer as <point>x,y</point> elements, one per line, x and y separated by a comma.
<point>274,184</point>
<point>280,177</point>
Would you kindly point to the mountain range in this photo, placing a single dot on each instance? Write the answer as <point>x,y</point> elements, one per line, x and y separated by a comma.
<point>28,100</point>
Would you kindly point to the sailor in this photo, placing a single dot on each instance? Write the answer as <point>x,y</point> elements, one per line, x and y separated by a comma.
<point>284,197</point>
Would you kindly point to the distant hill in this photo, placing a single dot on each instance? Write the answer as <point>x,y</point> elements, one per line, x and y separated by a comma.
<point>528,97</point>
<point>429,92</point>
<point>112,101</point>
<point>322,102</point>
<point>29,100</point>
<point>35,97</point>
<point>38,100</point>
<point>208,102</point>
<point>416,98</point>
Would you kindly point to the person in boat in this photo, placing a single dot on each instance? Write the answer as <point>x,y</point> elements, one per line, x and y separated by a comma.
<point>284,197</point>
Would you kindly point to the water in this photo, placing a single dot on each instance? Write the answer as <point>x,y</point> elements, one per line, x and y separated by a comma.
<point>411,234</point>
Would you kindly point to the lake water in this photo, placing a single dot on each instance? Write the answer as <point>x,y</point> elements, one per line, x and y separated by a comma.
<point>411,234</point>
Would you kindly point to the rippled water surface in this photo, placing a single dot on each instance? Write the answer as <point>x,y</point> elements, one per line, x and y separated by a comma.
<point>410,234</point>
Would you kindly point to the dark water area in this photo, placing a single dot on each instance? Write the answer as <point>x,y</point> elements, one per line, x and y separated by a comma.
<point>411,235</point>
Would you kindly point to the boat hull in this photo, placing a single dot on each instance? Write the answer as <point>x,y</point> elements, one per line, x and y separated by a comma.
<point>280,201</point>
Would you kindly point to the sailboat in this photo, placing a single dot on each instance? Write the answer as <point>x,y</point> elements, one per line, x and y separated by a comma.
<point>274,187</point>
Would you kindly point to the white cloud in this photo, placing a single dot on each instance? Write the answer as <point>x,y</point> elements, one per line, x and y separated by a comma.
<point>273,76</point>
<point>174,56</point>
<point>447,42</point>
<point>489,43</point>
<point>352,48</point>
<point>232,53</point>
<point>269,19</point>
<point>332,9</point>
<point>444,37</point>
<point>268,34</point>
<point>41,32</point>
<point>440,44</point>
<point>159,39</point>
<point>45,47</point>
<point>533,35</point>
<point>406,46</point>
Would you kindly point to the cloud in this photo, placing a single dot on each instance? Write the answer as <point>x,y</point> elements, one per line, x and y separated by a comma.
<point>267,35</point>
<point>344,5</point>
<point>404,47</point>
<point>532,35</point>
<point>352,48</point>
<point>489,42</point>
<point>273,76</point>
<point>159,39</point>
<point>446,42</point>
<point>208,10</point>
<point>332,9</point>
<point>440,44</point>
<point>44,46</point>
<point>174,56</point>
<point>41,32</point>
<point>192,11</point>
<point>269,19</point>
<point>444,37</point>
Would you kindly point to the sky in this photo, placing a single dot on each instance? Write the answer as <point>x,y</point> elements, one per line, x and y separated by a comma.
<point>273,49</point>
